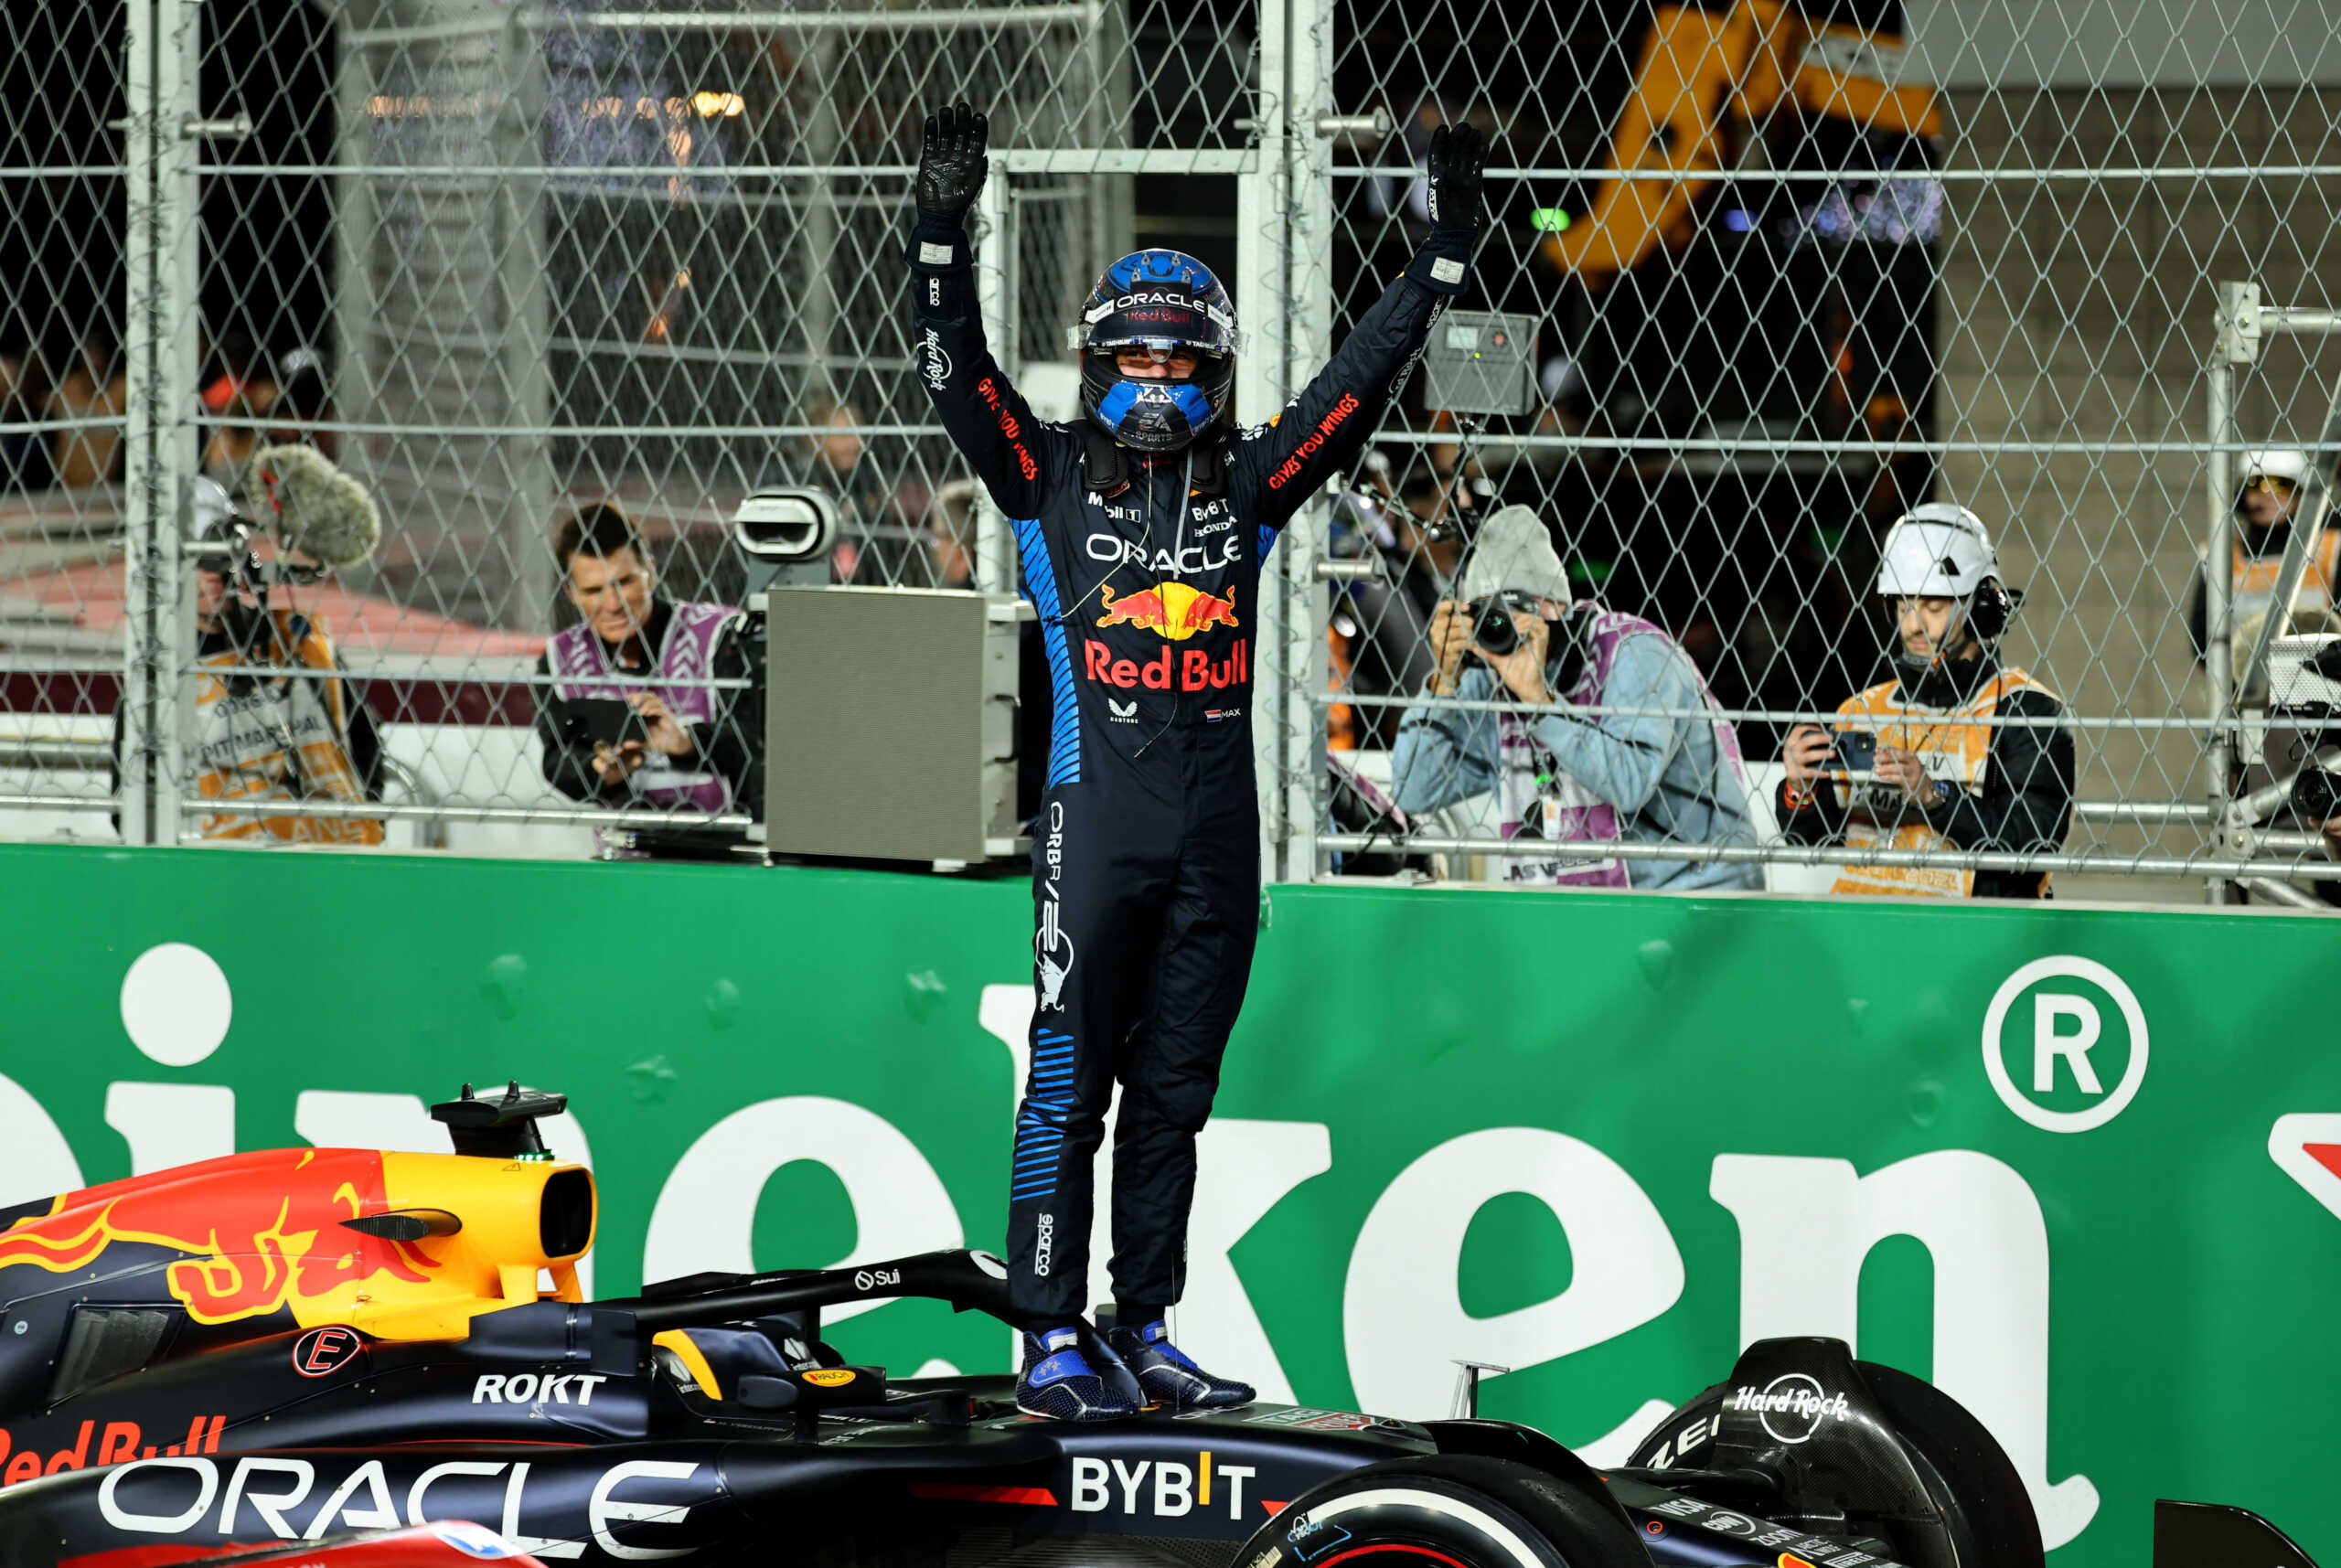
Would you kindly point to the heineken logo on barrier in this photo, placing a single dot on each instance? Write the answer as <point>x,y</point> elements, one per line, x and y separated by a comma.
<point>2064,1043</point>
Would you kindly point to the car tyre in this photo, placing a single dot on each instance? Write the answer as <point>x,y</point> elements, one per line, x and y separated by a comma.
<point>1445,1511</point>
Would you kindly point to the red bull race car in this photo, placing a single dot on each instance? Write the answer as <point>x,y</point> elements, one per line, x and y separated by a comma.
<point>382,1359</point>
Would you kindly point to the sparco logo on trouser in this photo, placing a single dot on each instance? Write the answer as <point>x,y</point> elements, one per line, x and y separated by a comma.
<point>1180,669</point>
<point>1043,1243</point>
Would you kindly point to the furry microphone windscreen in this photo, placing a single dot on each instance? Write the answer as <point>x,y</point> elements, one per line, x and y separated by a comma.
<point>314,507</point>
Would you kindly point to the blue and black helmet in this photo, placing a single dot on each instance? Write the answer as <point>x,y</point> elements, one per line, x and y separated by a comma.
<point>1161,300</point>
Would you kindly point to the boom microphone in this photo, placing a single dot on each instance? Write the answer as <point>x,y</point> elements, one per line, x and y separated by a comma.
<point>316,509</point>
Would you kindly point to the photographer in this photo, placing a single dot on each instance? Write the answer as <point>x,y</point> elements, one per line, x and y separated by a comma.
<point>1916,762</point>
<point>1560,773</point>
<point>276,715</point>
<point>610,736</point>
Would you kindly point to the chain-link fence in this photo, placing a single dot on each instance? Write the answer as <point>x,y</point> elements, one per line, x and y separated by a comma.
<point>63,402</point>
<point>1794,270</point>
<point>1786,272</point>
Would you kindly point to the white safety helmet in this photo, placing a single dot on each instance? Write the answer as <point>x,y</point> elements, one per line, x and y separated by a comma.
<point>1937,551</point>
<point>1941,550</point>
<point>212,507</point>
<point>2270,465</point>
<point>2289,463</point>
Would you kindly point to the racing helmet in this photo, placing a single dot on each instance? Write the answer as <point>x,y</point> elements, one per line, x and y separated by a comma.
<point>1160,300</point>
<point>1941,550</point>
<point>2267,468</point>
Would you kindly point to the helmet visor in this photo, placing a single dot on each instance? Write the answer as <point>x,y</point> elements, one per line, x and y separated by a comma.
<point>1160,318</point>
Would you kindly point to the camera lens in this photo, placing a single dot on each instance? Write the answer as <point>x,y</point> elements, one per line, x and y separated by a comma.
<point>2316,794</point>
<point>1493,627</point>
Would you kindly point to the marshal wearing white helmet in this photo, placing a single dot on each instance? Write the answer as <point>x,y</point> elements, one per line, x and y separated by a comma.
<point>1917,762</point>
<point>2270,486</point>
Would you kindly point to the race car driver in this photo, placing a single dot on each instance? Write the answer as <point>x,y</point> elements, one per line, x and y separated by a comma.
<point>1142,531</point>
<point>1921,761</point>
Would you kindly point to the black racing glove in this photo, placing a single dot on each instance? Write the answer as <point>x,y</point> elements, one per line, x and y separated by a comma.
<point>951,164</point>
<point>1458,154</point>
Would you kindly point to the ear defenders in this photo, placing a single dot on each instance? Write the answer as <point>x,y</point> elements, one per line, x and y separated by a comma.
<point>1989,610</point>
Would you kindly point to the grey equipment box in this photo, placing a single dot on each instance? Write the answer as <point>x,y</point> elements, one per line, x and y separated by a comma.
<point>890,722</point>
<point>1480,362</point>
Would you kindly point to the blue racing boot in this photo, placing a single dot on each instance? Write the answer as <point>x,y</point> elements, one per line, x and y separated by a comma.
<point>1059,1383</point>
<point>1169,1379</point>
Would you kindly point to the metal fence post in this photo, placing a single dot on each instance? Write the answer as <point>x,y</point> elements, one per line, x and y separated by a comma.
<point>1263,299</point>
<point>995,241</point>
<point>354,221</point>
<point>1309,76</point>
<point>158,338</point>
<point>2237,343</point>
<point>525,350</point>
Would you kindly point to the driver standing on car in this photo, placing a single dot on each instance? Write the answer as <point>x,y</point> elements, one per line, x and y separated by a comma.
<point>1142,531</point>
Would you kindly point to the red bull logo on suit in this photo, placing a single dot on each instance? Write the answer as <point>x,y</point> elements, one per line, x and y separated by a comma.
<point>1194,670</point>
<point>1177,610</point>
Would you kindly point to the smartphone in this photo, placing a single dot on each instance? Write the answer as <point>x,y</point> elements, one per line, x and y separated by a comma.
<point>1856,751</point>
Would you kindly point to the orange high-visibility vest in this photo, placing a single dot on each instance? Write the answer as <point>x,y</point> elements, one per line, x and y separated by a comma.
<point>281,738</point>
<point>1955,744</point>
<point>2254,579</point>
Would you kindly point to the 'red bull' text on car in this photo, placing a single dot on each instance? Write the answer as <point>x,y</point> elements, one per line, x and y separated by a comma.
<point>308,1344</point>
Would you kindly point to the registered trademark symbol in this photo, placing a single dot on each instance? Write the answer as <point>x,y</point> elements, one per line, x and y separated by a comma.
<point>2059,1085</point>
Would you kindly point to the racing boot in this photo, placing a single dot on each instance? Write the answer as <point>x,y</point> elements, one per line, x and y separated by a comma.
<point>1059,1383</point>
<point>1169,1378</point>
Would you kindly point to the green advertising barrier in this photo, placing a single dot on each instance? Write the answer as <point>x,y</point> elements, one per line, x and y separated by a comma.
<point>2082,1168</point>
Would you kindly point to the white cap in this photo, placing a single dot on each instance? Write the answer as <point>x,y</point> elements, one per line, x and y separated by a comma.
<point>1939,551</point>
<point>2289,463</point>
<point>1514,552</point>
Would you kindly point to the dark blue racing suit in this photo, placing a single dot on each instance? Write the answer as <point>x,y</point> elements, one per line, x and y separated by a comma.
<point>1145,571</point>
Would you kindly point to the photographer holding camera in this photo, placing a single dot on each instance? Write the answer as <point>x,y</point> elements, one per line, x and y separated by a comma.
<point>1659,776</point>
<point>1916,762</point>
<point>276,715</point>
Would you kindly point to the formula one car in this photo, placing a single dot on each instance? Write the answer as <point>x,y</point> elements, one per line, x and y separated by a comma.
<point>300,1345</point>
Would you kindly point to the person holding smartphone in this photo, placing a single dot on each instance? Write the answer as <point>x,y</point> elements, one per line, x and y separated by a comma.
<point>1922,761</point>
<point>1664,770</point>
<point>614,733</point>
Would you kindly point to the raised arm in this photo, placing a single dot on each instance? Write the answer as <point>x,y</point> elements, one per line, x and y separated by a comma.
<point>1321,431</point>
<point>988,422</point>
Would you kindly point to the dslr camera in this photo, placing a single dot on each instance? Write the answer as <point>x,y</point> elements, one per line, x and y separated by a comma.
<point>1493,627</point>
